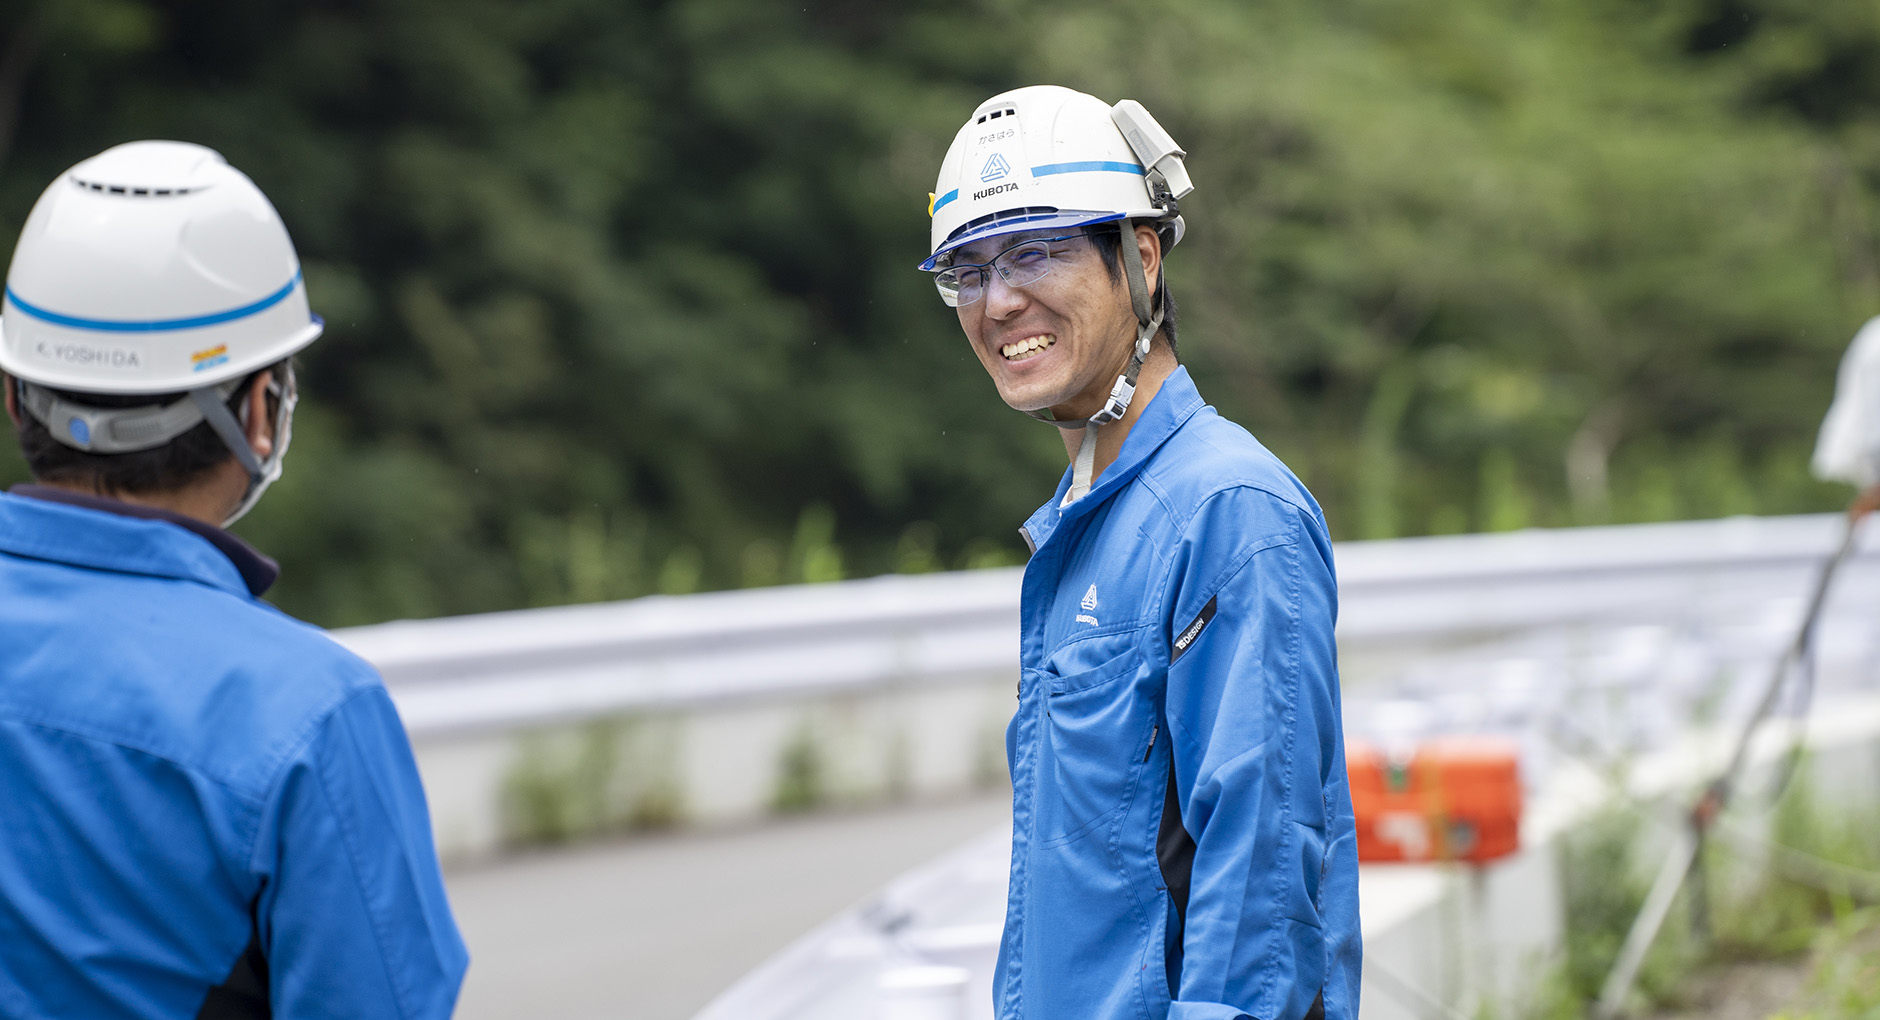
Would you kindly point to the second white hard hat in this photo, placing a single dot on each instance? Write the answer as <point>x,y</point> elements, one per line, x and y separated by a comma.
<point>1848,446</point>
<point>152,267</point>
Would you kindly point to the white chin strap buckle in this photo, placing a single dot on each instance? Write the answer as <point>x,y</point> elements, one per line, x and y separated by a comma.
<point>1118,404</point>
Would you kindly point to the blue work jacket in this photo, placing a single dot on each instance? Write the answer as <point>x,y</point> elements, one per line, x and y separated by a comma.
<point>1182,838</point>
<point>207,808</point>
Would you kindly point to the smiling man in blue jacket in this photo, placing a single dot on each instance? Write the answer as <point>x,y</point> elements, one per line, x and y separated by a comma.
<point>207,808</point>
<point>1182,838</point>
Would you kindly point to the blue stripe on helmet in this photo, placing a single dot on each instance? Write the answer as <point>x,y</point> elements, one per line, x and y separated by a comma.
<point>155,325</point>
<point>1086,166</point>
<point>941,203</point>
<point>1050,219</point>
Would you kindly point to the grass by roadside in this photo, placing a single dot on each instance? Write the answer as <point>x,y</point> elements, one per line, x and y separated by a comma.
<point>1837,978</point>
<point>1779,922</point>
<point>1844,979</point>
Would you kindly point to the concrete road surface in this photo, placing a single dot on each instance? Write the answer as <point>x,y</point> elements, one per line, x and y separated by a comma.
<point>652,928</point>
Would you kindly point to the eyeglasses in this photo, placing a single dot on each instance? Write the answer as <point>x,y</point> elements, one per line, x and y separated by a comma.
<point>1024,263</point>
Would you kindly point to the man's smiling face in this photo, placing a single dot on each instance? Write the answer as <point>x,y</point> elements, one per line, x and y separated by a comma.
<point>1058,342</point>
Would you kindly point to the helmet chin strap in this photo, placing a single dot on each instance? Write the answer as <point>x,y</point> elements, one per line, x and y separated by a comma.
<point>1148,320</point>
<point>115,430</point>
<point>261,473</point>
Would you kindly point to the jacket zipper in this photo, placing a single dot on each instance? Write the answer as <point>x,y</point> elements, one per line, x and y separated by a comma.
<point>1153,730</point>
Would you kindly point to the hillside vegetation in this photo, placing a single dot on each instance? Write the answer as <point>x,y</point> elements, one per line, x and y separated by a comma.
<point>621,296</point>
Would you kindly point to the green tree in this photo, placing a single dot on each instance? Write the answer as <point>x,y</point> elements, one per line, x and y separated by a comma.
<point>614,292</point>
<point>621,297</point>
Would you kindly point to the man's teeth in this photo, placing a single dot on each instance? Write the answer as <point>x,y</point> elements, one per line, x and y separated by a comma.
<point>1014,351</point>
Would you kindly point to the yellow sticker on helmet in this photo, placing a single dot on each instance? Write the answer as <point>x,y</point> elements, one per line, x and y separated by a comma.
<point>931,199</point>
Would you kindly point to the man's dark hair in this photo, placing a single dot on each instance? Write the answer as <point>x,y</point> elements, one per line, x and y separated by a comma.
<point>1109,244</point>
<point>174,465</point>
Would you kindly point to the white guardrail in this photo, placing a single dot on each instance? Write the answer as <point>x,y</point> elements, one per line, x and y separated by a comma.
<point>1581,643</point>
<point>503,671</point>
<point>725,706</point>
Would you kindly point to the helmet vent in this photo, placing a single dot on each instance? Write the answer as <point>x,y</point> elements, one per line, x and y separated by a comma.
<point>134,192</point>
<point>996,112</point>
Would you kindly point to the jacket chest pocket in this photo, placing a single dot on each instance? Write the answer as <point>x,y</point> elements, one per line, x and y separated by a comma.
<point>1097,726</point>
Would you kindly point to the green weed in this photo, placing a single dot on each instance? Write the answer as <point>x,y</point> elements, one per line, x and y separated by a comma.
<point>802,775</point>
<point>610,775</point>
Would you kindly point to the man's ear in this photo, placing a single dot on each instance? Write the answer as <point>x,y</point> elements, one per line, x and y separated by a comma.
<point>12,399</point>
<point>258,425</point>
<point>1150,247</point>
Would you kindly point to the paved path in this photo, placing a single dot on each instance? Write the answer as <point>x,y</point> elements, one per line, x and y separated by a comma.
<point>652,928</point>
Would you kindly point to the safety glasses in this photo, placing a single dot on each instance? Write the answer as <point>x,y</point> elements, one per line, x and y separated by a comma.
<point>1024,263</point>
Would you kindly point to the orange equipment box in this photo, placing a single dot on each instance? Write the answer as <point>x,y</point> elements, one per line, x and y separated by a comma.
<point>1455,799</point>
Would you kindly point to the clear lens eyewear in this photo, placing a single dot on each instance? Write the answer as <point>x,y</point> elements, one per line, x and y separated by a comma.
<point>1024,263</point>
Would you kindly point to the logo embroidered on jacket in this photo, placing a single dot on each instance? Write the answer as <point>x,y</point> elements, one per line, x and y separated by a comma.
<point>1090,604</point>
<point>1193,630</point>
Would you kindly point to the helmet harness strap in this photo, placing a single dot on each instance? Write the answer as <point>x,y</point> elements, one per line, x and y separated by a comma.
<point>216,413</point>
<point>261,473</point>
<point>1148,321</point>
<point>109,430</point>
<point>112,430</point>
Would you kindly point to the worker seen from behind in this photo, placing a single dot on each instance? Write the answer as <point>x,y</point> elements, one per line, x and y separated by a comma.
<point>1182,836</point>
<point>211,809</point>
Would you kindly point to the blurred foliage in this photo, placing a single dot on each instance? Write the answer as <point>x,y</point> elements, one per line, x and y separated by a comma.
<point>802,779</point>
<point>1844,983</point>
<point>1757,904</point>
<point>1602,889</point>
<point>611,775</point>
<point>621,298</point>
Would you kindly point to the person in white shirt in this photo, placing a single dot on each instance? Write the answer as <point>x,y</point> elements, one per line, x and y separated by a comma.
<point>1848,448</point>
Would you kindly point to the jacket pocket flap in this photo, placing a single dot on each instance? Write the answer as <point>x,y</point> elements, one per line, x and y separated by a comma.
<point>1120,665</point>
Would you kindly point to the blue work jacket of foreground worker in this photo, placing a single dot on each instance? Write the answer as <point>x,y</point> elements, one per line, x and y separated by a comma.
<point>1182,838</point>
<point>207,808</point>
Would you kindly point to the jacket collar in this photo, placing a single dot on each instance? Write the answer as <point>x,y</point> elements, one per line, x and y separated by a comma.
<point>44,523</point>
<point>1175,403</point>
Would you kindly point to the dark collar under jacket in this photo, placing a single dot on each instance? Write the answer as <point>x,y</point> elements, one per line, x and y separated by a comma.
<point>258,572</point>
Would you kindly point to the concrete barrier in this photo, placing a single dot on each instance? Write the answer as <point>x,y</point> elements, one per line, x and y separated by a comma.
<point>1440,940</point>
<point>705,709</point>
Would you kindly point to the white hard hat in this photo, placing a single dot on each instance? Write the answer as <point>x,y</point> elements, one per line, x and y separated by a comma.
<point>152,267</point>
<point>1046,156</point>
